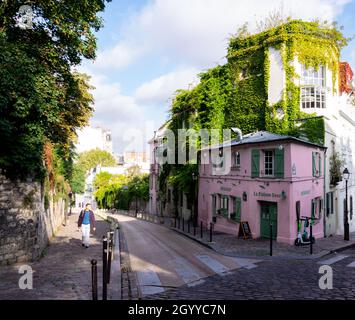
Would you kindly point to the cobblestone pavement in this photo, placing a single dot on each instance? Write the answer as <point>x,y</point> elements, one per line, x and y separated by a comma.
<point>65,270</point>
<point>233,246</point>
<point>276,279</point>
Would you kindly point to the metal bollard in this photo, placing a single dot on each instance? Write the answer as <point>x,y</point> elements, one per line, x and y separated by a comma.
<point>211,231</point>
<point>179,223</point>
<point>310,238</point>
<point>270,240</point>
<point>183,224</point>
<point>110,250</point>
<point>194,229</point>
<point>104,268</point>
<point>188,226</point>
<point>201,230</point>
<point>175,222</point>
<point>94,279</point>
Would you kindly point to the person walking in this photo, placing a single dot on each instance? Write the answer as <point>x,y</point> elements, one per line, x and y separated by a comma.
<point>86,222</point>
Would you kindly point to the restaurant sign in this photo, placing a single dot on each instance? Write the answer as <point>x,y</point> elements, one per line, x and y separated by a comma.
<point>267,194</point>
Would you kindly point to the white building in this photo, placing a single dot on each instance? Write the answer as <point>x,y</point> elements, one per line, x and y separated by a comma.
<point>94,137</point>
<point>321,96</point>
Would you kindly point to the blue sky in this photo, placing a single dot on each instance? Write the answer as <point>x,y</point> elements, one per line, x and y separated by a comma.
<point>150,48</point>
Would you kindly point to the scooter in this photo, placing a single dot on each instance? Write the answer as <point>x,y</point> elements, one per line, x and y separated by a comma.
<point>303,239</point>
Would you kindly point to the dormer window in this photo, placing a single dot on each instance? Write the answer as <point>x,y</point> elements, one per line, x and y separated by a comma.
<point>237,159</point>
<point>313,87</point>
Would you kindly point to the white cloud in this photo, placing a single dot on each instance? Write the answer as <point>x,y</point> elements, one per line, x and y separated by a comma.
<point>192,33</point>
<point>119,56</point>
<point>197,31</point>
<point>161,89</point>
<point>114,110</point>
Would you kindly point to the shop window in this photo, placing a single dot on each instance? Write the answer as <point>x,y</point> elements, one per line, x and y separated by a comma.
<point>316,164</point>
<point>224,206</point>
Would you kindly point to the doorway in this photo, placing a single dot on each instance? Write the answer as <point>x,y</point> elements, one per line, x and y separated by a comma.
<point>268,215</point>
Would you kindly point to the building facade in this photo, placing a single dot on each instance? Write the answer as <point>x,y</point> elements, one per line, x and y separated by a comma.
<point>94,138</point>
<point>271,177</point>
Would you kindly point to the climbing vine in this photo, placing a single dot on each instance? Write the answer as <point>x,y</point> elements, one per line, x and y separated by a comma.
<point>236,93</point>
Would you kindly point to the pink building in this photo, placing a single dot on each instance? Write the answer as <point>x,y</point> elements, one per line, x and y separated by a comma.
<point>269,177</point>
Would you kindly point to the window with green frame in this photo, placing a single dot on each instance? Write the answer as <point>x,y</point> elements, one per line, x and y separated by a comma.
<point>224,206</point>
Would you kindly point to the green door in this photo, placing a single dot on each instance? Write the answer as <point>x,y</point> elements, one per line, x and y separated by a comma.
<point>268,216</point>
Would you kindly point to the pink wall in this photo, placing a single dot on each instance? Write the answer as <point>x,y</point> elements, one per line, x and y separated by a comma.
<point>298,187</point>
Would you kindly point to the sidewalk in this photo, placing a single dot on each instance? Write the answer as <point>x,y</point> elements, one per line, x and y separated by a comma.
<point>233,246</point>
<point>65,270</point>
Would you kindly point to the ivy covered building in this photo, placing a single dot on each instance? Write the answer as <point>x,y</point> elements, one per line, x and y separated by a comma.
<point>286,80</point>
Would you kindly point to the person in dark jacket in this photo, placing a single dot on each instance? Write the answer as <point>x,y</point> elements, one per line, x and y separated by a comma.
<point>86,222</point>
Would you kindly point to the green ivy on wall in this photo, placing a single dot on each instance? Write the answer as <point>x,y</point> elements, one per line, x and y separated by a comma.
<point>236,94</point>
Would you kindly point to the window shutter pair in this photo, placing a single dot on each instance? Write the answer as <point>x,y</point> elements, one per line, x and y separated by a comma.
<point>279,163</point>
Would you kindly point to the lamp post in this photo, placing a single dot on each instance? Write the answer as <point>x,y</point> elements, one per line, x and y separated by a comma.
<point>346,175</point>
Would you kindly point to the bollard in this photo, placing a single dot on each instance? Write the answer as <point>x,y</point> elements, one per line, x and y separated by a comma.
<point>94,279</point>
<point>175,222</point>
<point>270,240</point>
<point>310,238</point>
<point>201,230</point>
<point>188,226</point>
<point>104,268</point>
<point>110,250</point>
<point>194,229</point>
<point>179,223</point>
<point>183,224</point>
<point>211,230</point>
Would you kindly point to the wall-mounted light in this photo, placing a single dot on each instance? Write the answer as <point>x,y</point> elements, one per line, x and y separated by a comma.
<point>281,147</point>
<point>245,197</point>
<point>283,195</point>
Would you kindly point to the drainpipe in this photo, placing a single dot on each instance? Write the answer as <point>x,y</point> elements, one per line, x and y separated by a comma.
<point>324,196</point>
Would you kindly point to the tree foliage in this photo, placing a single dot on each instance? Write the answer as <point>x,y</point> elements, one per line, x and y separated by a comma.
<point>120,191</point>
<point>90,159</point>
<point>41,98</point>
<point>78,179</point>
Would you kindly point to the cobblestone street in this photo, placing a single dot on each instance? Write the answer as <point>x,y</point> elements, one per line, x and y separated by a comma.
<point>276,279</point>
<point>64,272</point>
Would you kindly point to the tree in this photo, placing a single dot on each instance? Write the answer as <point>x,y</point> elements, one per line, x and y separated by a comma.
<point>41,98</point>
<point>90,159</point>
<point>78,180</point>
<point>102,179</point>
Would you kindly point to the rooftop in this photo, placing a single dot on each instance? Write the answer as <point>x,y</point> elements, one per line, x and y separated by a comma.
<point>264,137</point>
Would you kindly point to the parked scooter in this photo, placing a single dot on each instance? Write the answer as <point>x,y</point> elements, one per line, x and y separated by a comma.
<point>304,238</point>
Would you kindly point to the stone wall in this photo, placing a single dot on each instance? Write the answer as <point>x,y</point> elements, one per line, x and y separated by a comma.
<point>25,226</point>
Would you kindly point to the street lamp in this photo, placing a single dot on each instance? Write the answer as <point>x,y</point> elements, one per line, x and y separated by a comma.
<point>346,175</point>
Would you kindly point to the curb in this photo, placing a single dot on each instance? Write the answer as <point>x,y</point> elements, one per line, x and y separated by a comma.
<point>323,253</point>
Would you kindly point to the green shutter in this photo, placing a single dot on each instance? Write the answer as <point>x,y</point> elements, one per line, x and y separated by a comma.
<point>255,162</point>
<point>313,213</point>
<point>238,209</point>
<point>279,163</point>
<point>314,169</point>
